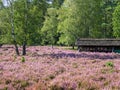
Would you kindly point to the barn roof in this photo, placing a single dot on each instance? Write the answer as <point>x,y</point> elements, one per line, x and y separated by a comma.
<point>98,42</point>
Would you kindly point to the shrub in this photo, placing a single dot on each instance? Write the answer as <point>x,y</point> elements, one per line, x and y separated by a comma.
<point>109,64</point>
<point>23,59</point>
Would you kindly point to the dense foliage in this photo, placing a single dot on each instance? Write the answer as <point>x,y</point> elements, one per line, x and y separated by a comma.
<point>43,22</point>
<point>116,22</point>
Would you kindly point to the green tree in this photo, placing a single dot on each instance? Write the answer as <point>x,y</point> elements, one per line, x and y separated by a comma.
<point>116,22</point>
<point>21,22</point>
<point>1,24</point>
<point>5,33</point>
<point>49,30</point>
<point>79,19</point>
<point>1,4</point>
<point>29,17</point>
<point>37,11</point>
<point>107,9</point>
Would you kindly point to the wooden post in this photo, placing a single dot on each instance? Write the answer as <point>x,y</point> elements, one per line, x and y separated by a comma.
<point>112,49</point>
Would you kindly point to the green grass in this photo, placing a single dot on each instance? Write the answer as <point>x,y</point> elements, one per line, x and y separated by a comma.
<point>70,48</point>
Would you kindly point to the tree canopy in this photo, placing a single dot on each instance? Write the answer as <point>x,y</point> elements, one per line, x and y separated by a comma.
<point>116,22</point>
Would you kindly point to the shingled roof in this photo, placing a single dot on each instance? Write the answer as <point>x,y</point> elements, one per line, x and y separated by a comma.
<point>97,42</point>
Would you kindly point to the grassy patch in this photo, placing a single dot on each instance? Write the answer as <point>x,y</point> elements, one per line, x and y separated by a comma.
<point>109,64</point>
<point>23,59</point>
<point>70,48</point>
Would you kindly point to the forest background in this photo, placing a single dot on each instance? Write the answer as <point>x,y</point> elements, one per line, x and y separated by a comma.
<point>57,22</point>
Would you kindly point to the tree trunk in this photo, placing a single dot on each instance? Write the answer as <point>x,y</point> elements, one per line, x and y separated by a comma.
<point>73,46</point>
<point>25,29</point>
<point>12,25</point>
<point>0,45</point>
<point>24,49</point>
<point>16,48</point>
<point>52,46</point>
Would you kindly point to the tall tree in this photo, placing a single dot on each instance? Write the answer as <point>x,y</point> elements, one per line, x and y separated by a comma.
<point>5,26</point>
<point>1,4</point>
<point>1,24</point>
<point>116,22</point>
<point>29,17</point>
<point>11,3</point>
<point>107,7</point>
<point>22,19</point>
<point>79,18</point>
<point>49,30</point>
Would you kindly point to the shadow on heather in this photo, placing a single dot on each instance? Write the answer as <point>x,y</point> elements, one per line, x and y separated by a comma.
<point>85,55</point>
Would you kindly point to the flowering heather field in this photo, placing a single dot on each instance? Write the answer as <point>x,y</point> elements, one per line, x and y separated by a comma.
<point>44,68</point>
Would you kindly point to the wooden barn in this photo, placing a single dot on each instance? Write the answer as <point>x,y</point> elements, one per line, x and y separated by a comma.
<point>98,45</point>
